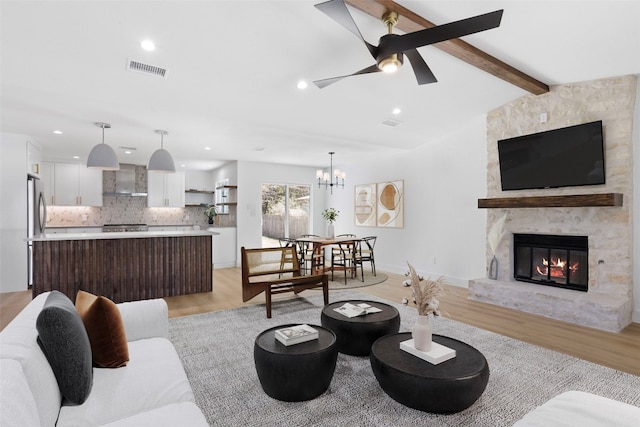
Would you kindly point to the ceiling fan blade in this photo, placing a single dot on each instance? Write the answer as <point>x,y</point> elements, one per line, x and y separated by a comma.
<point>423,73</point>
<point>449,31</point>
<point>326,82</point>
<point>337,10</point>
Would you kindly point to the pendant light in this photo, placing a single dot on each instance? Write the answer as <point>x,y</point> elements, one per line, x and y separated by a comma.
<point>102,156</point>
<point>161,160</point>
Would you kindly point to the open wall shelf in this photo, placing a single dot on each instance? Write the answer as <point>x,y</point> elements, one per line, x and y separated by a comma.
<point>199,191</point>
<point>577,200</point>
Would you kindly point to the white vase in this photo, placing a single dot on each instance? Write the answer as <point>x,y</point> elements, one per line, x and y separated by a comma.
<point>421,333</point>
<point>330,231</point>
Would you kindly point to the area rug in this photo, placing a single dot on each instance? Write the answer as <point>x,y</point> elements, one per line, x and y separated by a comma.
<point>216,350</point>
<point>369,280</point>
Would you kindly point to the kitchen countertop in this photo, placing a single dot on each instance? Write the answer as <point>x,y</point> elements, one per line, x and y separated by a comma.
<point>121,235</point>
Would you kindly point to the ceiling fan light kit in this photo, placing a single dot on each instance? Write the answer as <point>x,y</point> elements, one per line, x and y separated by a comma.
<point>390,64</point>
<point>102,156</point>
<point>391,49</point>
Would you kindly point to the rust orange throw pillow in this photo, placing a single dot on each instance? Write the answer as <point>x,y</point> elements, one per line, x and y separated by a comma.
<point>107,336</point>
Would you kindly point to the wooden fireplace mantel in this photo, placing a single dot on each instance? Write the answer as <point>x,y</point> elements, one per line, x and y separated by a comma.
<point>576,200</point>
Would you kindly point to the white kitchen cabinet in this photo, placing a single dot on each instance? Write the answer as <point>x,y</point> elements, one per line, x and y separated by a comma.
<point>76,185</point>
<point>34,159</point>
<point>224,247</point>
<point>165,190</point>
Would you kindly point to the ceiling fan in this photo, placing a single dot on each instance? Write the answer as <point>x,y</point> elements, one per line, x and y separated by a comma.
<point>391,49</point>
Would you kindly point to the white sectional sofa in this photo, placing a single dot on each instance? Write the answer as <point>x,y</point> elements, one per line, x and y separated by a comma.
<point>151,390</point>
<point>580,409</point>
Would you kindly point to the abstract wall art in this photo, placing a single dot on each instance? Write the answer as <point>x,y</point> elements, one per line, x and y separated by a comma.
<point>379,205</point>
<point>365,201</point>
<point>390,206</point>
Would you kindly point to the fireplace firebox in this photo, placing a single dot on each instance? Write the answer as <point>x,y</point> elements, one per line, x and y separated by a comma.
<point>560,261</point>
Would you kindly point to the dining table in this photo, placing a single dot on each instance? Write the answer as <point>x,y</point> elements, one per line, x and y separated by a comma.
<point>318,243</point>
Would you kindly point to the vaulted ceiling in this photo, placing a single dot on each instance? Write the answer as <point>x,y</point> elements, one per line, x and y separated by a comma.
<point>233,67</point>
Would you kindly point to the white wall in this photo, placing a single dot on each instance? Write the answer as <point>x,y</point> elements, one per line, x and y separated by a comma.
<point>443,180</point>
<point>13,212</point>
<point>251,176</point>
<point>228,171</point>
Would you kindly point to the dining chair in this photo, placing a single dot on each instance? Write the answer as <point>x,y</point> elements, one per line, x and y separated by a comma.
<point>309,260</point>
<point>335,248</point>
<point>343,257</point>
<point>364,253</point>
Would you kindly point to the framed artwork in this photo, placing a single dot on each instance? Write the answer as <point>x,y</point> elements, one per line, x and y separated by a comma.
<point>390,204</point>
<point>365,201</point>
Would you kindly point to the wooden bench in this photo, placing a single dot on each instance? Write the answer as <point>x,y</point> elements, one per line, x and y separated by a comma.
<point>274,271</point>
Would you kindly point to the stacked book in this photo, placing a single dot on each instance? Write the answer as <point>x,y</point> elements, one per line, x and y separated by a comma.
<point>296,334</point>
<point>353,310</point>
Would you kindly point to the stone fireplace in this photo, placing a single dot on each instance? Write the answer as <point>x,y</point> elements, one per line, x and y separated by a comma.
<point>598,291</point>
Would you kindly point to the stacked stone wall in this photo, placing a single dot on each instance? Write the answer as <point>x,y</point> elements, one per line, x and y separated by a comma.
<point>609,300</point>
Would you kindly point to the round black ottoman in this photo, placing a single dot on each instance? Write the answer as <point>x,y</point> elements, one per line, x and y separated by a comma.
<point>297,372</point>
<point>356,334</point>
<point>446,388</point>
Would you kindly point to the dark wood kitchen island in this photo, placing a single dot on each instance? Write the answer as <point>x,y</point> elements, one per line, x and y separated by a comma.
<point>124,266</point>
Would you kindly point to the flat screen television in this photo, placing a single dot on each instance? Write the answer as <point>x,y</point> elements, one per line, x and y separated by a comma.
<point>566,157</point>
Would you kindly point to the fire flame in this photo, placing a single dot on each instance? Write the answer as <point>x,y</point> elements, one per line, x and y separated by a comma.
<point>557,267</point>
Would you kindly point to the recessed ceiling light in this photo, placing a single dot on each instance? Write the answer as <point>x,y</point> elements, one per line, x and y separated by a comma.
<point>302,84</point>
<point>183,166</point>
<point>127,152</point>
<point>148,45</point>
<point>207,148</point>
<point>76,157</point>
<point>57,132</point>
<point>397,111</point>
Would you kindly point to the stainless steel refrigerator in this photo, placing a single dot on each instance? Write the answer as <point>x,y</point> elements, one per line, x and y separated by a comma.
<point>36,216</point>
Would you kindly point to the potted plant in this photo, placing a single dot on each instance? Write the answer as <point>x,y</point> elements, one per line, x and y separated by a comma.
<point>330,215</point>
<point>211,212</point>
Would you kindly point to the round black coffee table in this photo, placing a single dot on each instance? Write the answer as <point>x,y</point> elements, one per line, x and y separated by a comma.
<point>356,334</point>
<point>297,372</point>
<point>446,388</point>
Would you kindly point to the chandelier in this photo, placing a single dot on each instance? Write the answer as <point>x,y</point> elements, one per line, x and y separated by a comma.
<point>332,178</point>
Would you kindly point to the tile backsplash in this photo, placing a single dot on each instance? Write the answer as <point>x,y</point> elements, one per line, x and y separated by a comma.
<point>129,210</point>
<point>124,210</point>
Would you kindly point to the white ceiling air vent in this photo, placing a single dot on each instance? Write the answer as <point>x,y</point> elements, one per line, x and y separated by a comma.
<point>147,69</point>
<point>391,123</point>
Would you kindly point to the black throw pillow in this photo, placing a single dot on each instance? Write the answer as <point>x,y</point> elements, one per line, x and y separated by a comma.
<point>64,341</point>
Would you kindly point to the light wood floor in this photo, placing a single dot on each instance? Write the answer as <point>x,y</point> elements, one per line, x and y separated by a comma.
<point>619,351</point>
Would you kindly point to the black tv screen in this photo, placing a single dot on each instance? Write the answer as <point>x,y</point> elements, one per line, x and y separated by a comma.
<point>566,157</point>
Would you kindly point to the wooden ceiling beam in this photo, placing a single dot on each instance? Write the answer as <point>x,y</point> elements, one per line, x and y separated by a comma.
<point>409,22</point>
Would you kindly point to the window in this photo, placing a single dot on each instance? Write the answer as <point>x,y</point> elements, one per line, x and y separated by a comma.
<point>285,212</point>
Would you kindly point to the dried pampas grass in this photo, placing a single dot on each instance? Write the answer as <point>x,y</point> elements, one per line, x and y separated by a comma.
<point>496,233</point>
<point>425,292</point>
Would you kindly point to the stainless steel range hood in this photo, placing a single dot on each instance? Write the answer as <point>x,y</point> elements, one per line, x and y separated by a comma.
<point>125,184</point>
